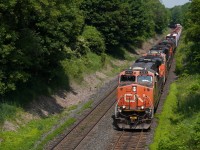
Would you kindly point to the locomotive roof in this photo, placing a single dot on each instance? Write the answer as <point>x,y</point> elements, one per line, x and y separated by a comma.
<point>145,66</point>
<point>166,45</point>
<point>172,40</point>
<point>150,58</point>
<point>160,48</point>
<point>155,51</point>
<point>168,41</point>
<point>165,42</point>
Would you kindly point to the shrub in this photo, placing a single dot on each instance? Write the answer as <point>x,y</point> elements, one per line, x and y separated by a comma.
<point>94,39</point>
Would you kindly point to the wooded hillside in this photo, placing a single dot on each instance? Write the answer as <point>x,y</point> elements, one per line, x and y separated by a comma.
<point>36,35</point>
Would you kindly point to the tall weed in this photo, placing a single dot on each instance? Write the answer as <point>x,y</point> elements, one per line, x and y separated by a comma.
<point>7,112</point>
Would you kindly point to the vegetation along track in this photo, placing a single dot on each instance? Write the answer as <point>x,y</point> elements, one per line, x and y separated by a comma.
<point>138,140</point>
<point>171,78</point>
<point>74,137</point>
<point>131,140</point>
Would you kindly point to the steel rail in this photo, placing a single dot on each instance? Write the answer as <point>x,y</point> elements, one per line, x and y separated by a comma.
<point>88,114</point>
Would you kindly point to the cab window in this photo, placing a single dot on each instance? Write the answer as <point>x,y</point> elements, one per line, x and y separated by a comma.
<point>125,78</point>
<point>144,79</point>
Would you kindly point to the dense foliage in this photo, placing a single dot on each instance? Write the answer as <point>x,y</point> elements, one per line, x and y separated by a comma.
<point>179,15</point>
<point>33,39</point>
<point>179,123</point>
<point>127,21</point>
<point>194,22</point>
<point>192,38</point>
<point>36,36</point>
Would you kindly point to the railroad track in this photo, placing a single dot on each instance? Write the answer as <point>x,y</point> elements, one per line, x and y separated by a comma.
<point>78,133</point>
<point>131,140</point>
<point>135,140</point>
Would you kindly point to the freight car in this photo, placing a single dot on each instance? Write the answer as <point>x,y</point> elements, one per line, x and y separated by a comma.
<point>140,87</point>
<point>175,34</point>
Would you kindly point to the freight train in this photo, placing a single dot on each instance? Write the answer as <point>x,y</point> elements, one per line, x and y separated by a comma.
<point>140,86</point>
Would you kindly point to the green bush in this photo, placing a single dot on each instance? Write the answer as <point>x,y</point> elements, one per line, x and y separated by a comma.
<point>194,139</point>
<point>94,39</point>
<point>82,47</point>
<point>75,68</point>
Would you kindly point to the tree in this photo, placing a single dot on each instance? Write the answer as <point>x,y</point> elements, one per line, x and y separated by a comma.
<point>159,15</point>
<point>110,17</point>
<point>33,38</point>
<point>176,15</point>
<point>194,22</point>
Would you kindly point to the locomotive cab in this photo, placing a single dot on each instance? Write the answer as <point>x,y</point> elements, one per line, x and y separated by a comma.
<point>126,77</point>
<point>136,98</point>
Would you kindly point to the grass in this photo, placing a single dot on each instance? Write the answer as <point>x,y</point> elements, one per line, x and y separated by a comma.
<point>116,68</point>
<point>63,127</point>
<point>87,105</point>
<point>27,134</point>
<point>162,130</point>
<point>76,67</point>
<point>7,112</point>
<point>179,122</point>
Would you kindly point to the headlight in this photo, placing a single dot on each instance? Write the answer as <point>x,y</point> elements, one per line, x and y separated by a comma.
<point>134,88</point>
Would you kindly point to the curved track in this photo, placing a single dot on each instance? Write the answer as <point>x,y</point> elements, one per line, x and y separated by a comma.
<point>127,139</point>
<point>77,134</point>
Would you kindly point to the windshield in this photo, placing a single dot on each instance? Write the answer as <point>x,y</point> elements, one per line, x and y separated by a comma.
<point>144,79</point>
<point>125,78</point>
